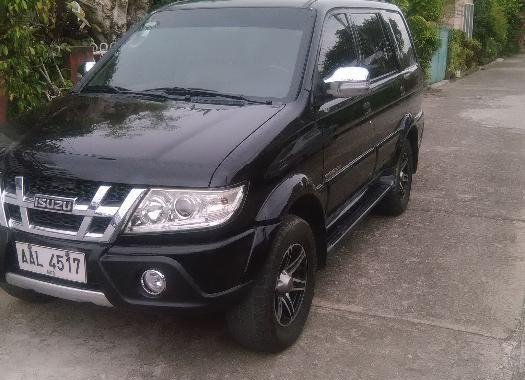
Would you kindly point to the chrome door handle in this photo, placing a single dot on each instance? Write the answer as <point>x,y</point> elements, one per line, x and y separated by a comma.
<point>402,89</point>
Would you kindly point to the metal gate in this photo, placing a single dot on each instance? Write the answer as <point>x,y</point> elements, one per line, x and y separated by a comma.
<point>468,23</point>
<point>438,66</point>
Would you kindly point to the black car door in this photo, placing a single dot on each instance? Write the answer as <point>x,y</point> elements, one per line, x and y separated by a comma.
<point>379,57</point>
<point>411,74</point>
<point>349,156</point>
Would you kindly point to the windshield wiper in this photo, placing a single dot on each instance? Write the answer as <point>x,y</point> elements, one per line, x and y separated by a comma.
<point>171,92</point>
<point>107,89</point>
<point>212,93</point>
<point>104,88</point>
<point>188,92</point>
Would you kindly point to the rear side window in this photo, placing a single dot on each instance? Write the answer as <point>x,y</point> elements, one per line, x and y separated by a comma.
<point>377,56</point>
<point>406,51</point>
<point>337,46</point>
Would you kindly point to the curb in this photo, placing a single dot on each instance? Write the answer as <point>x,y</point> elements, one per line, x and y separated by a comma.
<point>439,84</point>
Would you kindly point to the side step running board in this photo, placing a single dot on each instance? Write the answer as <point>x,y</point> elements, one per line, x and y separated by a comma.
<point>366,204</point>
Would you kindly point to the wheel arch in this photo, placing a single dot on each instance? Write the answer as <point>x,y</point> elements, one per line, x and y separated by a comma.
<point>411,133</point>
<point>310,209</point>
<point>298,196</point>
<point>413,138</point>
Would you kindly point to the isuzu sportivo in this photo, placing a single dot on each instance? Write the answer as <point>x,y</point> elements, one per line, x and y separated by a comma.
<point>212,159</point>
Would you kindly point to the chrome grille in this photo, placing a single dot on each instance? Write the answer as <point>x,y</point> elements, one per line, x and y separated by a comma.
<point>83,191</point>
<point>98,214</point>
<point>13,212</point>
<point>67,222</point>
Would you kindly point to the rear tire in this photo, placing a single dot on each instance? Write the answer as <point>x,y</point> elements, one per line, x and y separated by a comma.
<point>396,201</point>
<point>271,318</point>
<point>26,295</point>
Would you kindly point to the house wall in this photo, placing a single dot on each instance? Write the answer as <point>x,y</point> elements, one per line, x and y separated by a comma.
<point>455,15</point>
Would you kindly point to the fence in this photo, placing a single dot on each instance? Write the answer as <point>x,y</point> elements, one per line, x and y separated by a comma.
<point>438,66</point>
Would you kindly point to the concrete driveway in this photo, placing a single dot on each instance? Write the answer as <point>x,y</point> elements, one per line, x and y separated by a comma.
<point>437,293</point>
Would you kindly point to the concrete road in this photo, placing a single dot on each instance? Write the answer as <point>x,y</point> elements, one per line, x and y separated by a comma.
<point>437,293</point>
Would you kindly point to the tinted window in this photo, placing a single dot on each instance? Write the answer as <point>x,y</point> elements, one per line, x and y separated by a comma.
<point>377,56</point>
<point>402,37</point>
<point>337,46</point>
<point>251,52</point>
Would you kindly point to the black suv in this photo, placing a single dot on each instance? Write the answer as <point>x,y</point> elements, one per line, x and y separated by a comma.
<point>211,160</point>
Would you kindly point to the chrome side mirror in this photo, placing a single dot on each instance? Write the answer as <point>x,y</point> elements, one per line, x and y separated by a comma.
<point>348,81</point>
<point>84,68</point>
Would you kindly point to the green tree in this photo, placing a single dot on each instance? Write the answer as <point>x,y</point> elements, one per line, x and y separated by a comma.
<point>422,17</point>
<point>155,4</point>
<point>496,25</point>
<point>29,60</point>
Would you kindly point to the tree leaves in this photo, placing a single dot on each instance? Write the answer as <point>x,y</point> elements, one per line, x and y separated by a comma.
<point>27,51</point>
<point>422,16</point>
<point>496,25</point>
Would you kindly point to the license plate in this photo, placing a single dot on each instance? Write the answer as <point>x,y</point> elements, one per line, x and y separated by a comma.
<point>52,262</point>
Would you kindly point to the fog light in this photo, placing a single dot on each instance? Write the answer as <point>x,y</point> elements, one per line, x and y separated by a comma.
<point>153,282</point>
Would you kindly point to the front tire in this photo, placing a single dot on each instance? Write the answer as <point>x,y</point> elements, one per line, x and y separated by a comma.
<point>272,316</point>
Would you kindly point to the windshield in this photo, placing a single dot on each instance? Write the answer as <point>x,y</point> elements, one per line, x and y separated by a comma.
<point>255,52</point>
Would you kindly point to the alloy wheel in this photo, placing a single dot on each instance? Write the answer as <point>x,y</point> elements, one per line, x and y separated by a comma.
<point>403,176</point>
<point>290,286</point>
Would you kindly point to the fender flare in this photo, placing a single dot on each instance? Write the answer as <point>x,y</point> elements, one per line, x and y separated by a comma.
<point>281,198</point>
<point>407,124</point>
<point>291,191</point>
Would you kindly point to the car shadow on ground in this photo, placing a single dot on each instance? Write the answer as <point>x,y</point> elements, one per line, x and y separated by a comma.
<point>151,342</point>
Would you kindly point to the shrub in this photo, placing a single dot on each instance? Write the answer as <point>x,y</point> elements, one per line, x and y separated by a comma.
<point>490,51</point>
<point>404,5</point>
<point>496,26</point>
<point>499,24</point>
<point>422,16</point>
<point>430,10</point>
<point>462,53</point>
<point>473,48</point>
<point>29,61</point>
<point>155,4</point>
<point>512,10</point>
<point>426,39</point>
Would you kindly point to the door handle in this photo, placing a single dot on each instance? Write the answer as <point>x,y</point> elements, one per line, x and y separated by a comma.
<point>367,108</point>
<point>402,89</point>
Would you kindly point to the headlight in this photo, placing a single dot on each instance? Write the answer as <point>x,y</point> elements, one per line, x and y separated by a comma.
<point>176,209</point>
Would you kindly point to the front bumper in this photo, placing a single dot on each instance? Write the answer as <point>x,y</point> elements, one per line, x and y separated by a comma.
<point>55,290</point>
<point>200,277</point>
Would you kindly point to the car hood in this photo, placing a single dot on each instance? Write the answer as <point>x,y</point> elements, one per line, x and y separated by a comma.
<point>122,139</point>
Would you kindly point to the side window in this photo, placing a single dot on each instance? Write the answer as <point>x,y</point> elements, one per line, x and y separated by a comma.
<point>407,56</point>
<point>377,55</point>
<point>337,46</point>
